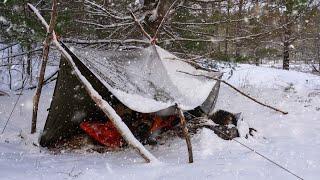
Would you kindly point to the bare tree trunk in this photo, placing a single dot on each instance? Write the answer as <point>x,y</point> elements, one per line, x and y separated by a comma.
<point>256,57</point>
<point>286,48</point>
<point>287,34</point>
<point>23,69</point>
<point>227,28</point>
<point>29,65</point>
<point>9,67</point>
<point>45,53</point>
<point>238,31</point>
<point>318,49</point>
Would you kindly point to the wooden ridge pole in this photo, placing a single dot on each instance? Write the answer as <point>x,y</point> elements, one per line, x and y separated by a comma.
<point>100,102</point>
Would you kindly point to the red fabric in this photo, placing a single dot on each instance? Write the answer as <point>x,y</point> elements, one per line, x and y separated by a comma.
<point>160,123</point>
<point>104,132</point>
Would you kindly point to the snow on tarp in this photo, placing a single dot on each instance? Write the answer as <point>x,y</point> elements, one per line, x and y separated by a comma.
<point>147,80</point>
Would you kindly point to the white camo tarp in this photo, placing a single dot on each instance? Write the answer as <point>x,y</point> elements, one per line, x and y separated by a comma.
<point>148,80</point>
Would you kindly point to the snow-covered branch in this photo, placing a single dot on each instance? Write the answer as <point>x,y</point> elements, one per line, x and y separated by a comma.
<point>100,102</point>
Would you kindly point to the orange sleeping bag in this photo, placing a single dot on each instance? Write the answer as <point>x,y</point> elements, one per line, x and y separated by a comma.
<point>103,132</point>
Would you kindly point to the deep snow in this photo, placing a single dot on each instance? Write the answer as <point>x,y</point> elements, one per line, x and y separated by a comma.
<point>292,140</point>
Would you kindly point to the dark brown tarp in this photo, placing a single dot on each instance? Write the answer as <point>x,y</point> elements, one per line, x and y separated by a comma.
<point>71,103</point>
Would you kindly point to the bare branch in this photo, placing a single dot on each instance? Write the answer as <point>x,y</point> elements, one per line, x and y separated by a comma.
<point>233,87</point>
<point>109,12</point>
<point>9,46</point>
<point>163,20</point>
<point>102,41</point>
<point>101,26</point>
<point>140,26</point>
<point>212,23</point>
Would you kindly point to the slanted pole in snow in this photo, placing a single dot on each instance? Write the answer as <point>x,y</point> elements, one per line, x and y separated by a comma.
<point>100,102</point>
<point>42,72</point>
<point>185,133</point>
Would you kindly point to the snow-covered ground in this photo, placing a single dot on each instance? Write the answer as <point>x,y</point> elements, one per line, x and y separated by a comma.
<point>292,140</point>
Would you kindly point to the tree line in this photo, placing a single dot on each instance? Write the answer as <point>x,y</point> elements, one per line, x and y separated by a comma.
<point>250,31</point>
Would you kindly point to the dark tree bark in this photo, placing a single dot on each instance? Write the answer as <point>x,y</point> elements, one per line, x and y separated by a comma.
<point>318,49</point>
<point>9,67</point>
<point>286,45</point>
<point>29,64</point>
<point>239,26</point>
<point>287,33</point>
<point>227,28</point>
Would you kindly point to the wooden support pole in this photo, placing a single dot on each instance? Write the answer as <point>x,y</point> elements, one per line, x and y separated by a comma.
<point>100,102</point>
<point>45,54</point>
<point>185,134</point>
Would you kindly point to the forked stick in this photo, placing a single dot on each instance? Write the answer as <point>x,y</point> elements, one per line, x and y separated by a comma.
<point>185,133</point>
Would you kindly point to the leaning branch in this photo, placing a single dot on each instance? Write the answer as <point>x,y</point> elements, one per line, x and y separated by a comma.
<point>140,26</point>
<point>102,26</point>
<point>9,46</point>
<point>45,54</point>
<point>102,41</point>
<point>101,103</point>
<point>47,80</point>
<point>22,54</point>
<point>163,20</point>
<point>242,93</point>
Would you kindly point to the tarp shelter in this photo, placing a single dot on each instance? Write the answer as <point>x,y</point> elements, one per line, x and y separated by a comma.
<point>147,80</point>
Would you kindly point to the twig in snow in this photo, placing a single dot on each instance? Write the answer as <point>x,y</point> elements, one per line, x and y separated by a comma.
<point>242,93</point>
<point>2,93</point>
<point>72,173</point>
<point>315,69</point>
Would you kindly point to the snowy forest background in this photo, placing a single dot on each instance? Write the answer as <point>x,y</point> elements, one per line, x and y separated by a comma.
<point>269,49</point>
<point>278,32</point>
